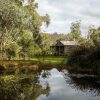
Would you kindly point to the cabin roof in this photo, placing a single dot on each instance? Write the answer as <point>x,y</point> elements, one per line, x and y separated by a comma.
<point>68,42</point>
<point>65,43</point>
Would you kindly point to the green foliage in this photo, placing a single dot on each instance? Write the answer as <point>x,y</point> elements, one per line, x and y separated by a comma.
<point>52,38</point>
<point>94,35</point>
<point>46,19</point>
<point>75,30</point>
<point>11,15</point>
<point>45,45</point>
<point>12,50</point>
<point>20,28</point>
<point>86,57</point>
<point>74,35</point>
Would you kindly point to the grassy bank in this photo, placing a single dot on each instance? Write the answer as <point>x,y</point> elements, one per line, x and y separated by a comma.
<point>32,64</point>
<point>47,59</point>
<point>18,77</point>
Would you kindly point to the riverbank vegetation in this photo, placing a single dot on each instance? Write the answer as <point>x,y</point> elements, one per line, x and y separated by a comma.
<point>33,64</point>
<point>86,58</point>
<point>20,26</point>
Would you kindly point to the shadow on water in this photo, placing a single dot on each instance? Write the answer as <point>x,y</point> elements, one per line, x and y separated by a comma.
<point>51,84</point>
<point>86,83</point>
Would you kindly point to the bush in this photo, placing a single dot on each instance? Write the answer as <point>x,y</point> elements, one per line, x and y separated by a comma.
<point>78,55</point>
<point>85,59</point>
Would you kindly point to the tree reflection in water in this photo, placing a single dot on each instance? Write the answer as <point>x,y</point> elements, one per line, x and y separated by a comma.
<point>85,83</point>
<point>54,84</point>
<point>21,87</point>
<point>45,74</point>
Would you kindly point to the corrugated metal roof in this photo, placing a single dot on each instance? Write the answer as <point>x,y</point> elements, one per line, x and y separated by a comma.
<point>68,42</point>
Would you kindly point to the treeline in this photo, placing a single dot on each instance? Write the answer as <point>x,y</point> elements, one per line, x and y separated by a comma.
<point>73,35</point>
<point>53,37</point>
<point>20,26</point>
<point>86,58</point>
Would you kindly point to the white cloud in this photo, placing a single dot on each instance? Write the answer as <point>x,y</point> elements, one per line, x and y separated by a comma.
<point>63,12</point>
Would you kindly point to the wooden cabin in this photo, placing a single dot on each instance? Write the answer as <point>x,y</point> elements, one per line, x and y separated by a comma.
<point>63,47</point>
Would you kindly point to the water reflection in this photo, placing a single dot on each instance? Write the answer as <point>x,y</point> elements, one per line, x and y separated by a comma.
<point>20,87</point>
<point>86,83</point>
<point>50,84</point>
<point>69,87</point>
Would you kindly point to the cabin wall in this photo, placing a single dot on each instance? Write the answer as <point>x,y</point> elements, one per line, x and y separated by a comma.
<point>68,49</point>
<point>63,50</point>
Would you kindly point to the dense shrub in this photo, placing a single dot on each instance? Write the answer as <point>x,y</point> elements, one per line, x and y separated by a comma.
<point>86,59</point>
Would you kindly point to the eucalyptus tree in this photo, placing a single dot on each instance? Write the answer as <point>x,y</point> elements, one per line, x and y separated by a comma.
<point>16,17</point>
<point>45,45</point>
<point>11,17</point>
<point>26,43</point>
<point>36,20</point>
<point>94,35</point>
<point>75,33</point>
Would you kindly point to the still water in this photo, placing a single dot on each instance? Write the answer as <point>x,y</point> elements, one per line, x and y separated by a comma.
<point>50,84</point>
<point>64,86</point>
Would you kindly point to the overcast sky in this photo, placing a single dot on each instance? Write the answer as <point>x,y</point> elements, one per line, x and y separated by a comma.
<point>64,12</point>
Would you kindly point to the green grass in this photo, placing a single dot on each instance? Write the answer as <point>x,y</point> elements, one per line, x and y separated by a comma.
<point>9,66</point>
<point>50,59</point>
<point>45,59</point>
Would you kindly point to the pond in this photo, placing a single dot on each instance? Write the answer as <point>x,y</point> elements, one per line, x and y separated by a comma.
<point>55,84</point>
